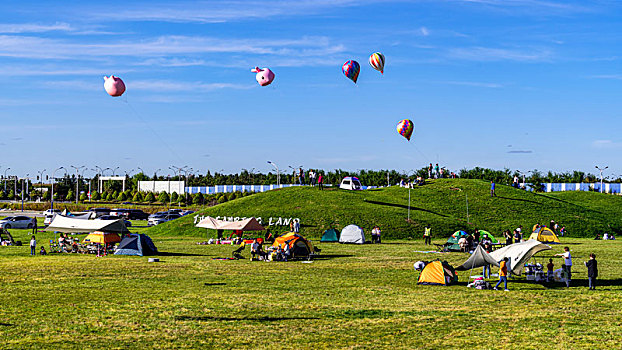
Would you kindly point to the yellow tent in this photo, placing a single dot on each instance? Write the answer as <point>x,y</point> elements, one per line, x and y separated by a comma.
<point>438,273</point>
<point>102,238</point>
<point>545,235</point>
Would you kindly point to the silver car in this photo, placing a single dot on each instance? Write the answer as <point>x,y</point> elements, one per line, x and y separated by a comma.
<point>18,222</point>
<point>164,217</point>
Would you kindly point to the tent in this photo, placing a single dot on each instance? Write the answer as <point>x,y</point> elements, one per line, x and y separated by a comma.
<point>352,234</point>
<point>250,224</point>
<point>330,235</point>
<point>298,245</point>
<point>438,273</point>
<point>102,238</point>
<point>71,225</point>
<point>479,258</point>
<point>519,254</point>
<point>136,244</point>
<point>492,238</point>
<point>452,242</point>
<point>544,234</point>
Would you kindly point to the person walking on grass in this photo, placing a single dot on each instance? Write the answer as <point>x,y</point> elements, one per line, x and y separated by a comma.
<point>592,271</point>
<point>33,245</point>
<point>567,266</point>
<point>503,274</point>
<point>492,189</point>
<point>427,236</point>
<point>319,181</point>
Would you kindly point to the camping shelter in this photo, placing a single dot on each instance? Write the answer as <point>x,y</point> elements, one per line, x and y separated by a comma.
<point>438,273</point>
<point>479,258</point>
<point>136,244</point>
<point>352,234</point>
<point>330,235</point>
<point>100,237</point>
<point>71,225</point>
<point>452,243</point>
<point>492,238</point>
<point>544,234</point>
<point>519,254</point>
<point>298,245</point>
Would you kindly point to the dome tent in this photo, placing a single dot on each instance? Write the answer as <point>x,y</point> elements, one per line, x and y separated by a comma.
<point>352,234</point>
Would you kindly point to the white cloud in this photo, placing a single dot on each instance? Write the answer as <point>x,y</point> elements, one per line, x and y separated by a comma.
<point>608,76</point>
<point>424,31</point>
<point>606,144</point>
<point>34,28</point>
<point>497,54</point>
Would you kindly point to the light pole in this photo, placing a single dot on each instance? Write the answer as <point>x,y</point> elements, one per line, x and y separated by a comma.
<point>155,178</point>
<point>41,182</point>
<point>114,171</point>
<point>601,176</point>
<point>7,169</point>
<point>77,179</point>
<point>278,174</point>
<point>53,174</point>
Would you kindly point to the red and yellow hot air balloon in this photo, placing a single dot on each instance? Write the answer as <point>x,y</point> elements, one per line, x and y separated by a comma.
<point>405,128</point>
<point>376,60</point>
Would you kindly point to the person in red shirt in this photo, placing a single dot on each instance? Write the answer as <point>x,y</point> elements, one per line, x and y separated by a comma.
<point>503,274</point>
<point>319,181</point>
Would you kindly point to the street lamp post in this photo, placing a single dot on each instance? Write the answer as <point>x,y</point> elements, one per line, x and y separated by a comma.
<point>601,176</point>
<point>278,174</point>
<point>7,169</point>
<point>53,174</point>
<point>155,178</point>
<point>114,171</point>
<point>41,182</point>
<point>77,179</point>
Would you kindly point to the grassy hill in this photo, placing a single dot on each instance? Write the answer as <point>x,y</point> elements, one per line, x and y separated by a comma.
<point>442,203</point>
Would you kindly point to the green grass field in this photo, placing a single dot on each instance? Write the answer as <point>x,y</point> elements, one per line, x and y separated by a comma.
<point>351,297</point>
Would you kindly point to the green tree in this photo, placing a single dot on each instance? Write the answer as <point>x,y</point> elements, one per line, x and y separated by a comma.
<point>163,197</point>
<point>45,197</point>
<point>150,198</point>
<point>83,197</point>
<point>121,197</point>
<point>197,198</point>
<point>137,197</point>
<point>174,197</point>
<point>70,196</point>
<point>110,197</point>
<point>222,198</point>
<point>95,196</point>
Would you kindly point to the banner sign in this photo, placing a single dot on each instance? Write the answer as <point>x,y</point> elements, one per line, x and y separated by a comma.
<point>272,221</point>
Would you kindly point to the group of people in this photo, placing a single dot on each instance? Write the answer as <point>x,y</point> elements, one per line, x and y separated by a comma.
<point>314,178</point>
<point>281,253</point>
<point>513,237</point>
<point>436,172</point>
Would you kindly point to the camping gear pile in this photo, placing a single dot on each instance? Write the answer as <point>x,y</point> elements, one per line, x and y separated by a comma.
<point>479,283</point>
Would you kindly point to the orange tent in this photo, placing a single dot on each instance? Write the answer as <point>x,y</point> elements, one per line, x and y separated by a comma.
<point>298,245</point>
<point>438,273</point>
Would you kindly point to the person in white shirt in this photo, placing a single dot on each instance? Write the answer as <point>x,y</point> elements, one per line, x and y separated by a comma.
<point>33,245</point>
<point>312,177</point>
<point>567,264</point>
<point>605,236</point>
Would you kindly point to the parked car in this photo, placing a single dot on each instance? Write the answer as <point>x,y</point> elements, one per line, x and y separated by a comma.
<point>130,214</point>
<point>18,222</point>
<point>164,217</point>
<point>187,212</point>
<point>48,219</point>
<point>350,183</point>
<point>128,223</point>
<point>51,212</point>
<point>100,211</point>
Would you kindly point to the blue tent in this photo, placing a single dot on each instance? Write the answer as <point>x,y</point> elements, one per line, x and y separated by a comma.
<point>136,244</point>
<point>330,235</point>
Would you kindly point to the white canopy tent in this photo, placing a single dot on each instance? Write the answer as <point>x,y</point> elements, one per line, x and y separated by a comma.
<point>519,254</point>
<point>72,225</point>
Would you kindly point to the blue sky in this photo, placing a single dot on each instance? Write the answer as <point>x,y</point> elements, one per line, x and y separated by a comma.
<point>521,84</point>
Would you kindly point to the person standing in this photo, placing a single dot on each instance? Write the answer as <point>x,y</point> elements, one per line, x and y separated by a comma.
<point>436,171</point>
<point>520,233</point>
<point>319,181</point>
<point>477,236</point>
<point>503,274</point>
<point>492,189</point>
<point>562,231</point>
<point>508,237</point>
<point>33,245</point>
<point>301,178</point>
<point>592,271</point>
<point>567,264</point>
<point>427,235</point>
<point>549,270</point>
<point>312,177</point>
<point>296,225</point>
<point>430,171</point>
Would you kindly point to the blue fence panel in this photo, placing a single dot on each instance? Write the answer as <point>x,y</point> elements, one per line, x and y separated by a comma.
<point>614,188</point>
<point>556,187</point>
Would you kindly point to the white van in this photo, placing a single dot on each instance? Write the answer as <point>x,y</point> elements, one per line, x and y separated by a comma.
<point>350,183</point>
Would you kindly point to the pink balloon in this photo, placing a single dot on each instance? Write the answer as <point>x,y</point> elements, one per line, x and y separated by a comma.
<point>114,86</point>
<point>264,76</point>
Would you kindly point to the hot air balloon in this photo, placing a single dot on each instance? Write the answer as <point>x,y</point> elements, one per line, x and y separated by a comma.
<point>264,76</point>
<point>114,86</point>
<point>376,60</point>
<point>351,69</point>
<point>405,128</point>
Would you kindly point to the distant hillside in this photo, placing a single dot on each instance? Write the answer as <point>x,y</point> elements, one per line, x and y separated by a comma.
<point>441,203</point>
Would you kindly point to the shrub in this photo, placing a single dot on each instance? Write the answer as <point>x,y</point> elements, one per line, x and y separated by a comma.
<point>174,197</point>
<point>137,197</point>
<point>222,198</point>
<point>150,198</point>
<point>83,197</point>
<point>121,197</point>
<point>70,195</point>
<point>163,197</point>
<point>197,198</point>
<point>110,196</point>
<point>3,195</point>
<point>94,196</point>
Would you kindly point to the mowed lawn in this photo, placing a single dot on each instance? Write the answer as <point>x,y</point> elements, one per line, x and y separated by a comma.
<point>351,297</point>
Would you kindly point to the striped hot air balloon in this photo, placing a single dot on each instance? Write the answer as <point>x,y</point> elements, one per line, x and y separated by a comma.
<point>351,69</point>
<point>405,128</point>
<point>376,60</point>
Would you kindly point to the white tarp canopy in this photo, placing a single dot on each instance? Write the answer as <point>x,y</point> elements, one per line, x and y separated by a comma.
<point>479,258</point>
<point>250,224</point>
<point>72,225</point>
<point>352,234</point>
<point>519,254</point>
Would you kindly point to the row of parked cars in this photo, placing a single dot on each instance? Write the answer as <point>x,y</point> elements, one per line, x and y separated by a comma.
<point>123,213</point>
